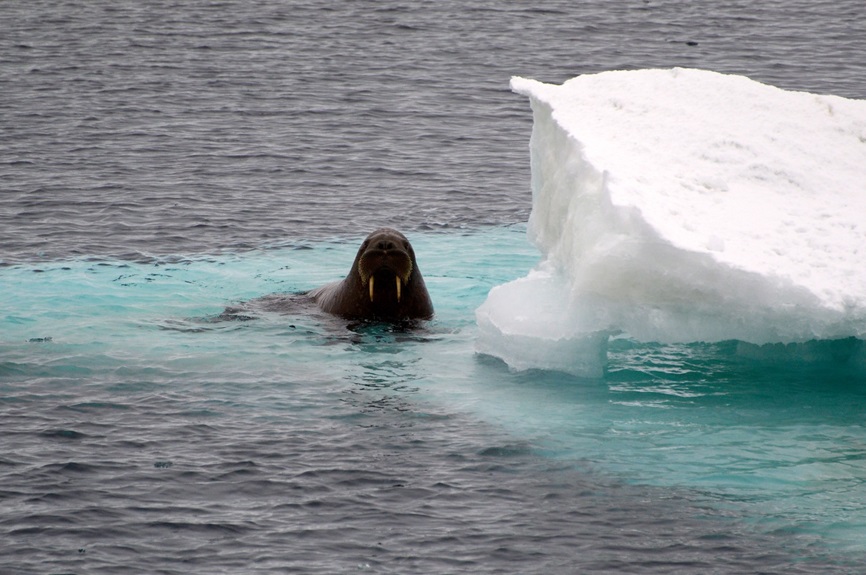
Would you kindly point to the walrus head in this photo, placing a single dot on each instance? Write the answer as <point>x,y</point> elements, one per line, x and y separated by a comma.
<point>383,284</point>
<point>385,263</point>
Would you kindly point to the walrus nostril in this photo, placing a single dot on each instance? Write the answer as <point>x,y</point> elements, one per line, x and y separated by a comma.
<point>386,245</point>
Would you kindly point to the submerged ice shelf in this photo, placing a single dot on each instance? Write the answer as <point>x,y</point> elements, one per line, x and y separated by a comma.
<point>684,205</point>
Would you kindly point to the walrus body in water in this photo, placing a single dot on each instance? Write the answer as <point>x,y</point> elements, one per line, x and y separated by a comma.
<point>384,283</point>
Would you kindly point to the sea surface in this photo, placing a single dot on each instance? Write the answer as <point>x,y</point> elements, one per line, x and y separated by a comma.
<point>160,161</point>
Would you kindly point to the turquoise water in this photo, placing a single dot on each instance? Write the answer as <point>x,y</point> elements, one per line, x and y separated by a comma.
<point>782,447</point>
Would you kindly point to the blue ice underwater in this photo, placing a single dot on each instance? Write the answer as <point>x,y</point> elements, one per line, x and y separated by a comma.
<point>785,442</point>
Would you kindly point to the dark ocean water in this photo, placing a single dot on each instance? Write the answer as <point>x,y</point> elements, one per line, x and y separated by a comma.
<point>161,160</point>
<point>175,127</point>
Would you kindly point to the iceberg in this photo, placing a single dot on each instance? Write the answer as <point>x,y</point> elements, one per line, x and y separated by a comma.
<point>682,205</point>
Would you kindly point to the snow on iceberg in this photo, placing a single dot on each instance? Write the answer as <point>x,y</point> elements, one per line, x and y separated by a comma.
<point>684,205</point>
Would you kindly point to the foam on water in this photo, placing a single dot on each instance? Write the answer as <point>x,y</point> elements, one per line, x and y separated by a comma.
<point>684,205</point>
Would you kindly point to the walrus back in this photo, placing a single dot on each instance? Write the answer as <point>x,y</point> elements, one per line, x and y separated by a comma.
<point>327,296</point>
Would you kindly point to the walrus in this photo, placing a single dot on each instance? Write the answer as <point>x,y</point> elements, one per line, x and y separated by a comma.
<point>384,283</point>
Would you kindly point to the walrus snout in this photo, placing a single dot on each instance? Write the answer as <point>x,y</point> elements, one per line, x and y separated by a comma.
<point>385,250</point>
<point>398,263</point>
<point>385,267</point>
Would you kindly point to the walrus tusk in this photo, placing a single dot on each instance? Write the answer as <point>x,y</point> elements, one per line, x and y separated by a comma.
<point>398,281</point>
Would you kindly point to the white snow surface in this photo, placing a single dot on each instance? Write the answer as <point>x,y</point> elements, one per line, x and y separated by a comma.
<point>684,205</point>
